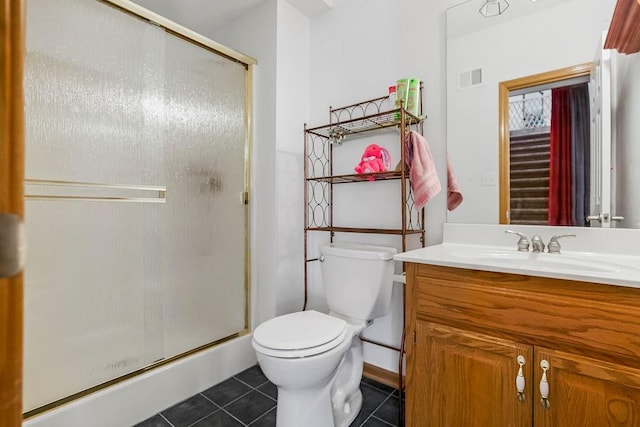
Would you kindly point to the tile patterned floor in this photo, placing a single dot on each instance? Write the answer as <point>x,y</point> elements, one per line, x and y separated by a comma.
<point>249,399</point>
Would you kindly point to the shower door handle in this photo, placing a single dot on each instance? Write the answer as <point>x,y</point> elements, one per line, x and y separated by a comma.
<point>12,245</point>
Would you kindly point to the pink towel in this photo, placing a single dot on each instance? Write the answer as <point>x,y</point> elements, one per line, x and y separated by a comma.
<point>454,192</point>
<point>422,176</point>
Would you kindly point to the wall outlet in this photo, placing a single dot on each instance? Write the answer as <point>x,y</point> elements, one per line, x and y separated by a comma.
<point>489,180</point>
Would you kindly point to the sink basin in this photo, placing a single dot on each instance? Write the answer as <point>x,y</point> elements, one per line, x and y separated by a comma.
<point>615,269</point>
<point>596,255</point>
<point>537,261</point>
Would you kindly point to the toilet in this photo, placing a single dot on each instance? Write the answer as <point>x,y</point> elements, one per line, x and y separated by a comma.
<point>315,359</point>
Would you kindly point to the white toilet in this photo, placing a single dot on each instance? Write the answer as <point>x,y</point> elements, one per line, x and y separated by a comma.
<point>315,359</point>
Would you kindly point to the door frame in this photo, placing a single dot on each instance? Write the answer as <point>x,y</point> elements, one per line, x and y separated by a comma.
<point>504,88</point>
<point>12,51</point>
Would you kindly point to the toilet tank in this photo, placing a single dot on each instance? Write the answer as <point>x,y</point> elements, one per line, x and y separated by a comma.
<point>357,279</point>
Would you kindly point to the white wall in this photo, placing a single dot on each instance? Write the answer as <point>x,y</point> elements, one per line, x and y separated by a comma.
<point>292,111</point>
<point>358,49</point>
<point>557,37</point>
<point>627,139</point>
<point>361,47</point>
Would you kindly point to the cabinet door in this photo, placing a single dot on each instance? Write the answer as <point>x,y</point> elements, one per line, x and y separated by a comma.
<point>586,392</point>
<point>460,378</point>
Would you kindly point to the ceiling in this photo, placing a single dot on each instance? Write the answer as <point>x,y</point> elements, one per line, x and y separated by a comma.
<point>465,17</point>
<point>201,16</point>
<point>206,16</point>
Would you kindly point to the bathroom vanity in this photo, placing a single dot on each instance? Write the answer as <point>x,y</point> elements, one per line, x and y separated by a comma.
<point>489,346</point>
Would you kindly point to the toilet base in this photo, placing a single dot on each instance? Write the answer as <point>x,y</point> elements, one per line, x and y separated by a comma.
<point>346,396</point>
<point>342,418</point>
<point>335,401</point>
<point>310,407</point>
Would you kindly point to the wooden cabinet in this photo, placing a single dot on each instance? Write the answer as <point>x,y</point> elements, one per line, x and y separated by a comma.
<point>588,392</point>
<point>461,377</point>
<point>468,328</point>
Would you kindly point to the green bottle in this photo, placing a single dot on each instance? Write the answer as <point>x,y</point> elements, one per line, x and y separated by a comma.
<point>413,97</point>
<point>402,92</point>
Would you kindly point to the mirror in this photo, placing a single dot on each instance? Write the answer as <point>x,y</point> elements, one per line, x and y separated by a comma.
<point>528,38</point>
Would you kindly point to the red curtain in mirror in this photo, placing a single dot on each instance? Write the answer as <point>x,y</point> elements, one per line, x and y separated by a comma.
<point>560,167</point>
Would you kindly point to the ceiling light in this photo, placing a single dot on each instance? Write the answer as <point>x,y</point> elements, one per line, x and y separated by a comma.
<point>494,7</point>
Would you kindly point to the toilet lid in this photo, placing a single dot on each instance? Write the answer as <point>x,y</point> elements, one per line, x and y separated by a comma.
<point>305,352</point>
<point>302,330</point>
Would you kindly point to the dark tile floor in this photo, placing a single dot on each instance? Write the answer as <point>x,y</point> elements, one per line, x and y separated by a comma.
<point>249,399</point>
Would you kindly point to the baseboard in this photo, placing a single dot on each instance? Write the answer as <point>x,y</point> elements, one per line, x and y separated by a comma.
<point>381,375</point>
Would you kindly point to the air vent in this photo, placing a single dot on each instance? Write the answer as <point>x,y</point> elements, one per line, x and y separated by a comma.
<point>470,78</point>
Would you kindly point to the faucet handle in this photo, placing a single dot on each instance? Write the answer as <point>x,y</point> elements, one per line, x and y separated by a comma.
<point>554,246</point>
<point>523,242</point>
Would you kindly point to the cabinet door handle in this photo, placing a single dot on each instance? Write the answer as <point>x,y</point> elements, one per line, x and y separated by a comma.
<point>520,383</point>
<point>544,385</point>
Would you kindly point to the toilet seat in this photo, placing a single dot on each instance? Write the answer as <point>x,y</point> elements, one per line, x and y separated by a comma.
<point>302,334</point>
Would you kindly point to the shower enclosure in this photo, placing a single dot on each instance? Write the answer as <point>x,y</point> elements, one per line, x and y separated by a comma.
<point>137,151</point>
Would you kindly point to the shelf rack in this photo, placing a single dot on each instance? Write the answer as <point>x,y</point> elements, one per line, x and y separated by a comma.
<point>346,123</point>
<point>372,122</point>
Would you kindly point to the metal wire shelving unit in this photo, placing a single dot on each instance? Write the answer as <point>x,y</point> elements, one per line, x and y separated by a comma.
<point>345,123</point>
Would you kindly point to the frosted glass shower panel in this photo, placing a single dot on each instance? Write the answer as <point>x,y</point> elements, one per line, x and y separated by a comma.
<point>94,91</point>
<point>205,165</point>
<point>92,267</point>
<point>117,108</point>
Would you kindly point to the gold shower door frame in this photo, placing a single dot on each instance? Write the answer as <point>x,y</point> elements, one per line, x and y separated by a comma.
<point>12,195</point>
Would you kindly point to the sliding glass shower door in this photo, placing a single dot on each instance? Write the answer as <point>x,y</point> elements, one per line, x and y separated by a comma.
<point>136,166</point>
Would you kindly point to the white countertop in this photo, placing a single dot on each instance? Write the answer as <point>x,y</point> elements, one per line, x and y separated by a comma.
<point>614,268</point>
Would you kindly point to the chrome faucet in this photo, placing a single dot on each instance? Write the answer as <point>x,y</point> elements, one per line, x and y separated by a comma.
<point>554,245</point>
<point>537,245</point>
<point>523,243</point>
